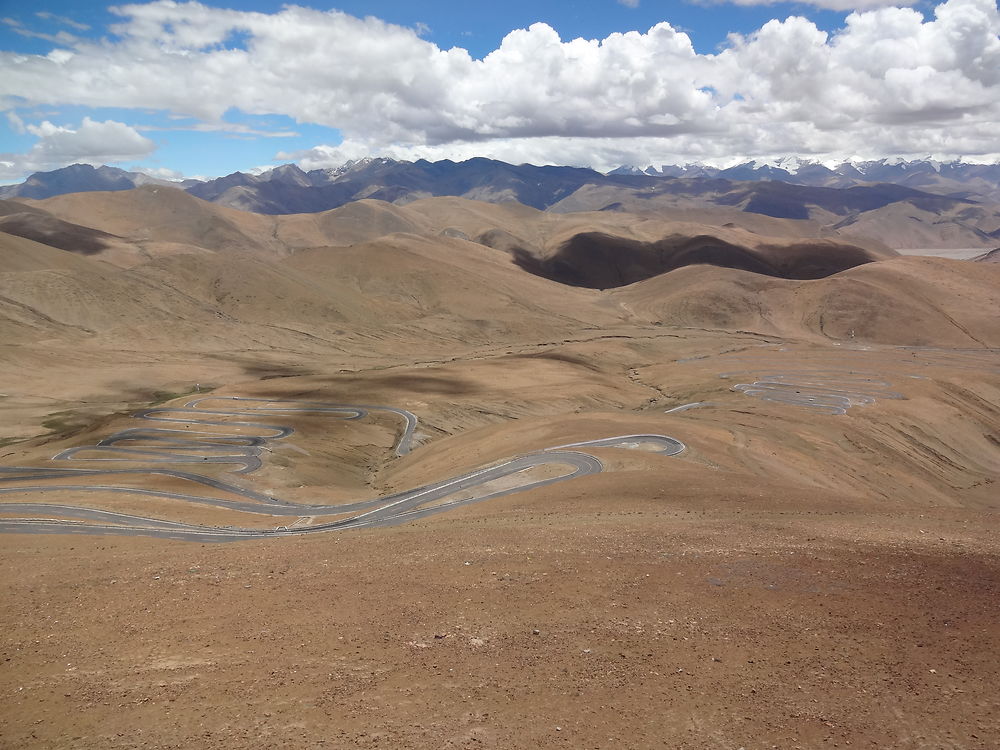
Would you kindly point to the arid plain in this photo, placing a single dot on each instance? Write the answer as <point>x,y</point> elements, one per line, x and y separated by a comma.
<point>820,567</point>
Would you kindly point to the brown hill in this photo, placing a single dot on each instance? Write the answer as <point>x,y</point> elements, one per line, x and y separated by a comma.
<point>156,220</point>
<point>48,230</point>
<point>874,532</point>
<point>886,214</point>
<point>398,286</point>
<point>903,301</point>
<point>607,249</point>
<point>23,261</point>
<point>409,278</point>
<point>34,223</point>
<point>360,221</point>
<point>23,254</point>
<point>902,225</point>
<point>602,261</point>
<point>375,267</point>
<point>152,216</point>
<point>8,207</point>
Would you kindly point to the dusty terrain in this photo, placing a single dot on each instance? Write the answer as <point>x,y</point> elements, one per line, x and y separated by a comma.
<point>797,577</point>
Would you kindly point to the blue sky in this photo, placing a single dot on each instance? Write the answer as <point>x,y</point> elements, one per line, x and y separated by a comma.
<point>143,94</point>
<point>476,26</point>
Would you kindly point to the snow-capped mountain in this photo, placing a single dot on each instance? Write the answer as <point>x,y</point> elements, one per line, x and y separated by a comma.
<point>952,178</point>
<point>289,189</point>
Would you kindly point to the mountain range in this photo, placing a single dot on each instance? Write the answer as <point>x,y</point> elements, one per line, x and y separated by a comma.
<point>492,179</point>
<point>923,204</point>
<point>288,189</point>
<point>819,382</point>
<point>955,178</point>
<point>83,178</point>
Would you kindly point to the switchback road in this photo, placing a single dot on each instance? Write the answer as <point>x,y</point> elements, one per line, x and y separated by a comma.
<point>209,442</point>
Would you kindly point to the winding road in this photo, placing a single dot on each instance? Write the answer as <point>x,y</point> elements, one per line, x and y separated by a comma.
<point>182,445</point>
<point>829,392</point>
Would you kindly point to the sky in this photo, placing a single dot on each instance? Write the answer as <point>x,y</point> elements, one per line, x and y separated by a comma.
<point>188,89</point>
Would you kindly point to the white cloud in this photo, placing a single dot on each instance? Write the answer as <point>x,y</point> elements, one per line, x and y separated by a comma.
<point>221,127</point>
<point>161,173</point>
<point>46,16</point>
<point>606,153</point>
<point>629,3</point>
<point>16,123</point>
<point>839,5</point>
<point>888,82</point>
<point>91,143</point>
<point>61,37</point>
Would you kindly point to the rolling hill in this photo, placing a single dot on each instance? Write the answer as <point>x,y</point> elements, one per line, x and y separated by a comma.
<point>836,405</point>
<point>455,267</point>
<point>900,301</point>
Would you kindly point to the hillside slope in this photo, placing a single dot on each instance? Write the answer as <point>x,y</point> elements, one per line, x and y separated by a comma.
<point>903,301</point>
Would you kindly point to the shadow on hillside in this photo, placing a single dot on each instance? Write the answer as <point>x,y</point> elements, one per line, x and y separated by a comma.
<point>602,261</point>
<point>349,387</point>
<point>570,359</point>
<point>48,230</point>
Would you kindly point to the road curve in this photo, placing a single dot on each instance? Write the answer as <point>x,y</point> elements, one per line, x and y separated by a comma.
<point>666,446</point>
<point>823,391</point>
<point>200,446</point>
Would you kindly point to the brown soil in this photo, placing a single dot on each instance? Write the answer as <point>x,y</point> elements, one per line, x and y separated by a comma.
<point>794,579</point>
<point>665,619</point>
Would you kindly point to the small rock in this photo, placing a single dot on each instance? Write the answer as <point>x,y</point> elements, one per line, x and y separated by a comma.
<point>536,631</point>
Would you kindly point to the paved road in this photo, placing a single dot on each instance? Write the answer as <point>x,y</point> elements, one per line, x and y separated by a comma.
<point>174,446</point>
<point>825,391</point>
<point>661,444</point>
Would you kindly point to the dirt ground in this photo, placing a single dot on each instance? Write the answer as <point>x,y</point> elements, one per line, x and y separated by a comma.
<point>793,580</point>
<point>594,617</point>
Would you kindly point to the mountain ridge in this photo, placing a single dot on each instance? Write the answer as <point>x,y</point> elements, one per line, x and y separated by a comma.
<point>918,205</point>
<point>977,179</point>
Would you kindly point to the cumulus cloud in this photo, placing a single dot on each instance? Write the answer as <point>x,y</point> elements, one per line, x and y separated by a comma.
<point>840,5</point>
<point>888,82</point>
<point>92,142</point>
